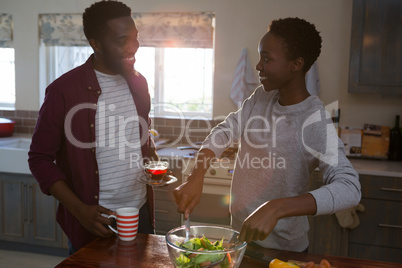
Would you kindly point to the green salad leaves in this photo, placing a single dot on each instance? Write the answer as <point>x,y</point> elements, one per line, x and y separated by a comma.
<point>194,260</point>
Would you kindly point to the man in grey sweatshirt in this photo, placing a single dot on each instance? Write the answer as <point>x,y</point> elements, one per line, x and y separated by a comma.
<point>283,135</point>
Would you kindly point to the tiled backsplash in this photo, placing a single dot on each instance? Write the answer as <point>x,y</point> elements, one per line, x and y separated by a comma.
<point>25,121</point>
<point>178,131</point>
<point>183,131</point>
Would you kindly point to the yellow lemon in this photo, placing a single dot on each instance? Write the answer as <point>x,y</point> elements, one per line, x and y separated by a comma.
<point>275,263</point>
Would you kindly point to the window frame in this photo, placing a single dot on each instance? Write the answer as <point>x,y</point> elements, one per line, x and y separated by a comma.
<point>48,73</point>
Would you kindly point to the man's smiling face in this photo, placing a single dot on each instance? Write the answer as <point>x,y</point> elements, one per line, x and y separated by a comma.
<point>115,52</point>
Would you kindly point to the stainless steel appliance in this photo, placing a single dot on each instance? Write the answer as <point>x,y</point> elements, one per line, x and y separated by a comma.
<point>214,204</point>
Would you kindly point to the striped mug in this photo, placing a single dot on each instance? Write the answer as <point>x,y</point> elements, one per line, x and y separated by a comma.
<point>127,223</point>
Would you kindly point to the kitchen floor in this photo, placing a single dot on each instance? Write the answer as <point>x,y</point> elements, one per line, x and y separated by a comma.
<point>13,255</point>
<point>14,259</point>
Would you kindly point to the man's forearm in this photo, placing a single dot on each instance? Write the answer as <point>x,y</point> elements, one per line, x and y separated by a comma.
<point>66,197</point>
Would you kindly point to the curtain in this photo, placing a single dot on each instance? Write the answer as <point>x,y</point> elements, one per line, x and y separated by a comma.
<point>62,30</point>
<point>190,29</point>
<point>175,29</point>
<point>6,30</point>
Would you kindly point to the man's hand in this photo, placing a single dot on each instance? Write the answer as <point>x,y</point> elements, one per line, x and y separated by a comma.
<point>90,216</point>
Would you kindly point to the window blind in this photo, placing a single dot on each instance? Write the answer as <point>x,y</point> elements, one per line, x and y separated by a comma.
<point>189,29</point>
<point>6,30</point>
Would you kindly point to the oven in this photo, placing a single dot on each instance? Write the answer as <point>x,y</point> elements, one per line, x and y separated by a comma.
<point>213,207</point>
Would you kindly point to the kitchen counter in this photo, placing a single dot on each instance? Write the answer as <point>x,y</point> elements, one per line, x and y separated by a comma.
<point>15,158</point>
<point>377,167</point>
<point>363,166</point>
<point>14,153</point>
<point>151,251</point>
<point>174,152</point>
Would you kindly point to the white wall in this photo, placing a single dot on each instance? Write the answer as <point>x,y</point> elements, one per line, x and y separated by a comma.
<point>239,24</point>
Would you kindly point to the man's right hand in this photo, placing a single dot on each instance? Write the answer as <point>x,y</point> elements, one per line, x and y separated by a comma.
<point>90,216</point>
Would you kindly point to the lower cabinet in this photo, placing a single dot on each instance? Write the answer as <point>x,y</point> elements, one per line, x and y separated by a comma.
<point>27,215</point>
<point>379,234</point>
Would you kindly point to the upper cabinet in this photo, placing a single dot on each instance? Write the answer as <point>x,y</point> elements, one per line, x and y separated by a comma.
<point>376,46</point>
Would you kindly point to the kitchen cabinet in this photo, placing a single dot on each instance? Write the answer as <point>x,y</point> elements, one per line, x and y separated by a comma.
<point>376,45</point>
<point>166,215</point>
<point>379,234</point>
<point>27,215</point>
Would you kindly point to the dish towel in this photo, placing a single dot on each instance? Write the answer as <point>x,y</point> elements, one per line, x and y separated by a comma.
<point>348,218</point>
<point>244,81</point>
<point>312,80</point>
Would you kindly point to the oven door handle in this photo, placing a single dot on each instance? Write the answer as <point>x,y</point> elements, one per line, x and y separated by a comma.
<point>217,183</point>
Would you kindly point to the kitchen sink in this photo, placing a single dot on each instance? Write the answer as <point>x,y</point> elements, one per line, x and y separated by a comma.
<point>14,155</point>
<point>17,143</point>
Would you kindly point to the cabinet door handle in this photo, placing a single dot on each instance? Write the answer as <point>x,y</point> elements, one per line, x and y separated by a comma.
<point>25,202</point>
<point>30,200</point>
<point>391,190</point>
<point>390,225</point>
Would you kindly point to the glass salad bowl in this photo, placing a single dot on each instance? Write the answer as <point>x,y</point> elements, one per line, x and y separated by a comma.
<point>208,246</point>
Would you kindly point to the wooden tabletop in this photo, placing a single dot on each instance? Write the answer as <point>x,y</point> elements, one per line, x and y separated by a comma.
<point>151,251</point>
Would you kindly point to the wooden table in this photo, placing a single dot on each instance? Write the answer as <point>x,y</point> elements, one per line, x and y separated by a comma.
<point>151,251</point>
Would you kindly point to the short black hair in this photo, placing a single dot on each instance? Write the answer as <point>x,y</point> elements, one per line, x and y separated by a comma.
<point>301,39</point>
<point>98,14</point>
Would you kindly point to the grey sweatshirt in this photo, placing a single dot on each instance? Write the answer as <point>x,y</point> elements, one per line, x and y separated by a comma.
<point>279,147</point>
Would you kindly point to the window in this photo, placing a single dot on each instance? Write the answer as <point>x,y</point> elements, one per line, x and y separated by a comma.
<point>7,78</point>
<point>7,64</point>
<point>179,79</point>
<point>176,57</point>
<point>57,60</point>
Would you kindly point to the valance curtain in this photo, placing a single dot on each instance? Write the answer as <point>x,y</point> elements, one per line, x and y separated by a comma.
<point>62,30</point>
<point>6,30</point>
<point>175,29</point>
<point>193,29</point>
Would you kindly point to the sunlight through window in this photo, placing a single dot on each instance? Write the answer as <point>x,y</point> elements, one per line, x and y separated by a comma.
<point>178,78</point>
<point>182,77</point>
<point>7,78</point>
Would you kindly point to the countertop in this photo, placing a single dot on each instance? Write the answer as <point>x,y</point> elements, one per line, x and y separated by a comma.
<point>14,153</point>
<point>15,159</point>
<point>174,152</point>
<point>151,251</point>
<point>377,167</point>
<point>363,166</point>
